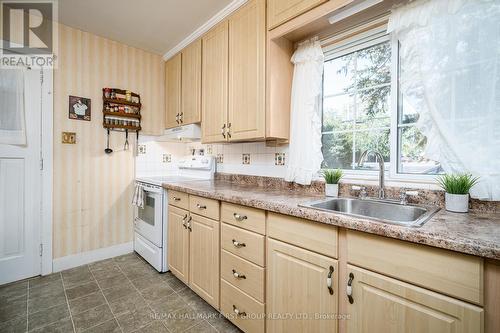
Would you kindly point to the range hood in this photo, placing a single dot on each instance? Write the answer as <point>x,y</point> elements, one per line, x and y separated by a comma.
<point>186,133</point>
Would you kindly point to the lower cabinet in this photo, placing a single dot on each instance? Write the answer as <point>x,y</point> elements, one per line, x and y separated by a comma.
<point>193,252</point>
<point>204,258</point>
<point>302,290</point>
<point>178,243</point>
<point>382,304</point>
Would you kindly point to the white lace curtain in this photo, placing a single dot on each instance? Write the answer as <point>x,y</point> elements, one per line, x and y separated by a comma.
<point>450,74</point>
<point>12,124</point>
<point>305,120</point>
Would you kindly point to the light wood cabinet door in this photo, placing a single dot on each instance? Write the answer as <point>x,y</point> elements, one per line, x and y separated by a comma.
<point>383,304</point>
<point>280,11</point>
<point>247,51</point>
<point>178,243</point>
<point>214,84</point>
<point>191,84</point>
<point>298,298</point>
<point>204,273</point>
<point>173,77</point>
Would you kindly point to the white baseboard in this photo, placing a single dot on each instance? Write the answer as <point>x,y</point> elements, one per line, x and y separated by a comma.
<point>88,257</point>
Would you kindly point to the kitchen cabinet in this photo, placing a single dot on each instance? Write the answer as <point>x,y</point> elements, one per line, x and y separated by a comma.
<point>280,11</point>
<point>178,243</point>
<point>194,247</point>
<point>173,70</point>
<point>247,56</point>
<point>204,258</point>
<point>191,84</point>
<point>383,304</point>
<point>215,83</point>
<point>302,290</point>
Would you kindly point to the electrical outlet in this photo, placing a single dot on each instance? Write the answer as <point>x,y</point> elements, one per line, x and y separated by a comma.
<point>279,159</point>
<point>167,158</point>
<point>210,149</point>
<point>246,158</point>
<point>220,158</point>
<point>69,138</point>
<point>141,149</point>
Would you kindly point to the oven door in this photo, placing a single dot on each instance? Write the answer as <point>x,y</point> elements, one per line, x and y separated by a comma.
<point>149,220</point>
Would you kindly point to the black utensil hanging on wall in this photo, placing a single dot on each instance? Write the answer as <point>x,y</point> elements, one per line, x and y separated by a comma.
<point>108,150</point>
<point>125,147</point>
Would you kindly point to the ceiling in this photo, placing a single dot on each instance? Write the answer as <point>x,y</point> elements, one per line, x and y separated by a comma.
<point>153,25</point>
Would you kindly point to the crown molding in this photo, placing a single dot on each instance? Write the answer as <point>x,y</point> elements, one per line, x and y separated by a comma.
<point>221,15</point>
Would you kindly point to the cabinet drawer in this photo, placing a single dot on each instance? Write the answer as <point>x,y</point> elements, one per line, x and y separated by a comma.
<point>233,300</point>
<point>243,274</point>
<point>309,235</point>
<point>204,207</point>
<point>244,217</point>
<point>451,273</point>
<point>245,244</point>
<point>178,199</point>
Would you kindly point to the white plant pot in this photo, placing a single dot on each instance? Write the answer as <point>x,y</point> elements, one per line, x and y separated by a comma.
<point>332,190</point>
<point>458,203</point>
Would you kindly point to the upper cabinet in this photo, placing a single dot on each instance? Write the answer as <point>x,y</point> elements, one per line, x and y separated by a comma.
<point>280,11</point>
<point>191,84</point>
<point>247,56</point>
<point>214,83</point>
<point>173,68</point>
<point>183,87</point>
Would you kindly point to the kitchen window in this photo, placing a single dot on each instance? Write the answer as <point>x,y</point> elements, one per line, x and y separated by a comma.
<point>361,108</point>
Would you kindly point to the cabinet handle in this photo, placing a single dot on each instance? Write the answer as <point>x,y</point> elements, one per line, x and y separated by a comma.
<point>238,311</point>
<point>189,223</point>
<point>238,275</point>
<point>176,199</point>
<point>329,280</point>
<point>349,288</point>
<point>177,118</point>
<point>223,131</point>
<point>180,117</point>
<point>184,221</point>
<point>239,217</point>
<point>201,206</point>
<point>229,130</point>
<point>238,244</point>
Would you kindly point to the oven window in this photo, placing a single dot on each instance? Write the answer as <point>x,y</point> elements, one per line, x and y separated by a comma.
<point>148,213</point>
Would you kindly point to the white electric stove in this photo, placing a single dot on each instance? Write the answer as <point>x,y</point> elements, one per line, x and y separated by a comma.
<point>151,222</point>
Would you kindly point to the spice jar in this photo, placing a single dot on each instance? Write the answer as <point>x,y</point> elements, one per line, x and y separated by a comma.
<point>128,95</point>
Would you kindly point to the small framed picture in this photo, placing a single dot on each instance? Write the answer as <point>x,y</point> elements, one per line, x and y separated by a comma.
<point>79,108</point>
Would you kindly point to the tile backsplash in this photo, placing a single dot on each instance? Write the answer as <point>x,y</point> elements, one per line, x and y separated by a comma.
<point>254,158</point>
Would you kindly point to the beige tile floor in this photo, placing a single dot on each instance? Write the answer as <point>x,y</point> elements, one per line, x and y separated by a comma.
<point>122,294</point>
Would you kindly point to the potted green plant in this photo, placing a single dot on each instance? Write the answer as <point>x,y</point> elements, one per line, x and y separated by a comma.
<point>332,178</point>
<point>457,187</point>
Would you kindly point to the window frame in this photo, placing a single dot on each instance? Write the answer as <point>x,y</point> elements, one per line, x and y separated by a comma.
<point>357,38</point>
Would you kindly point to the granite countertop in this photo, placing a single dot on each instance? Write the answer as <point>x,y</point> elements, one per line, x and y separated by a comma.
<point>474,233</point>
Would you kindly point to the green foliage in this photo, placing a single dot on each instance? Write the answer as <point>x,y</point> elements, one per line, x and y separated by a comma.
<point>457,184</point>
<point>332,176</point>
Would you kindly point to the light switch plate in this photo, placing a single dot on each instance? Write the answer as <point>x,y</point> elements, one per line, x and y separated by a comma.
<point>68,138</point>
<point>141,149</point>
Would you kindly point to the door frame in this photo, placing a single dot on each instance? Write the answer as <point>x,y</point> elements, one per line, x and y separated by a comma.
<point>46,155</point>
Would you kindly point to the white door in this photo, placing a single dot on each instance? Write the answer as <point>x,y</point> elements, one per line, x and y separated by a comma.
<point>20,193</point>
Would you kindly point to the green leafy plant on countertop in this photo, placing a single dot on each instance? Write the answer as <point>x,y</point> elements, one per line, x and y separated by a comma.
<point>458,183</point>
<point>332,176</point>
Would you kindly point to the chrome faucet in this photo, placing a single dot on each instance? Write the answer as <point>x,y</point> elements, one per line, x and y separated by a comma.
<point>381,176</point>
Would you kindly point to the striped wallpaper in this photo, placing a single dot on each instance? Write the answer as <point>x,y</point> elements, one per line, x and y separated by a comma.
<point>92,190</point>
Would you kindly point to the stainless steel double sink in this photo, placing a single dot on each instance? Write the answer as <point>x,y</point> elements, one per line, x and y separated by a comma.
<point>381,210</point>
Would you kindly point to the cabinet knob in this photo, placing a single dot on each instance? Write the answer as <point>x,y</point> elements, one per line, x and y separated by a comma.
<point>238,312</point>
<point>238,275</point>
<point>349,288</point>
<point>329,280</point>
<point>238,244</point>
<point>201,206</point>
<point>239,217</point>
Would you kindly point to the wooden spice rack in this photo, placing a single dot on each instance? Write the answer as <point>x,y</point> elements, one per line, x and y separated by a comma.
<point>114,110</point>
